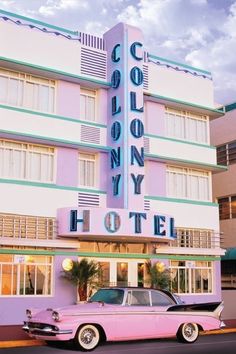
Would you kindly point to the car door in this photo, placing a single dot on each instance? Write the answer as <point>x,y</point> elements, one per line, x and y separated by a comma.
<point>165,322</point>
<point>138,320</point>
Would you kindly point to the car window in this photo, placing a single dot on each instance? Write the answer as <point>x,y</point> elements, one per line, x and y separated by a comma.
<point>159,299</point>
<point>138,298</point>
<point>108,296</point>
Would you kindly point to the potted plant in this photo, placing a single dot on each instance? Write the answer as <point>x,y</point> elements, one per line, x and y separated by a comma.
<point>83,274</point>
<point>158,276</point>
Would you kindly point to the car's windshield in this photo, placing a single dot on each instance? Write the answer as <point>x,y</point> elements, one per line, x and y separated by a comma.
<point>108,296</point>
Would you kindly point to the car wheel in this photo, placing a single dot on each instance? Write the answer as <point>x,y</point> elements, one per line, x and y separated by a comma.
<point>87,337</point>
<point>188,333</point>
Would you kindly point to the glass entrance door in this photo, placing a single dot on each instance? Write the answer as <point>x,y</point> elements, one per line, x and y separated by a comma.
<point>122,273</point>
<point>140,275</point>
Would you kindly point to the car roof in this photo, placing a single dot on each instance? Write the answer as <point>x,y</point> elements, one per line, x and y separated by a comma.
<point>166,292</point>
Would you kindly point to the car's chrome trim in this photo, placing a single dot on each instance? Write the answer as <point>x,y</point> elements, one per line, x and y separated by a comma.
<point>222,324</point>
<point>46,330</point>
<point>140,312</point>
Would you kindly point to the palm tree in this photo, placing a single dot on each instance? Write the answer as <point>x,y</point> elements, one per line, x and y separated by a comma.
<point>159,277</point>
<point>83,274</point>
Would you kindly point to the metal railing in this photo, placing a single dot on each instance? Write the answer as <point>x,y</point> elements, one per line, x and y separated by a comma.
<point>194,238</point>
<point>27,227</point>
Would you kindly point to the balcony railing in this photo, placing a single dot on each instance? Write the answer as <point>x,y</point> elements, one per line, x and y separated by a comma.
<point>27,227</point>
<point>195,238</point>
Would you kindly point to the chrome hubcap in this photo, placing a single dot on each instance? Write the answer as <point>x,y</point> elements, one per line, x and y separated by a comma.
<point>87,336</point>
<point>189,331</point>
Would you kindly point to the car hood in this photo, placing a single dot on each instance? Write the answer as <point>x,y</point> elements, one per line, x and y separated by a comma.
<point>72,310</point>
<point>86,306</point>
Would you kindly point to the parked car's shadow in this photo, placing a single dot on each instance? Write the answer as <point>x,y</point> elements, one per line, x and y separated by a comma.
<point>70,345</point>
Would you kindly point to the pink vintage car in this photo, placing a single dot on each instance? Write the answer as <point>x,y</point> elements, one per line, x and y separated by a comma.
<point>116,314</point>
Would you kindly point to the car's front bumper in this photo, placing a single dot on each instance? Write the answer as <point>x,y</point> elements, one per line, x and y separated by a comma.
<point>44,330</point>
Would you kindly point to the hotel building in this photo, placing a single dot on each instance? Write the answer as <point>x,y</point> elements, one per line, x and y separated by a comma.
<point>105,154</point>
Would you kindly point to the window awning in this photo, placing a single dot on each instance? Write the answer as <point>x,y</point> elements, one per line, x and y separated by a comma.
<point>230,255</point>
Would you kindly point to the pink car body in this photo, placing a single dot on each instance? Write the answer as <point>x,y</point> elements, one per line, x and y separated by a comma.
<point>116,314</point>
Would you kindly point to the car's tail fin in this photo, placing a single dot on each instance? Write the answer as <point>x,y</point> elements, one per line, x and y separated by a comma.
<point>206,307</point>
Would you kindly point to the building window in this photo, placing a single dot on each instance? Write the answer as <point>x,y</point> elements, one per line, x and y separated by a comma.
<point>187,126</point>
<point>188,183</point>
<point>227,207</point>
<point>87,170</point>
<point>26,161</point>
<point>226,154</point>
<point>25,90</point>
<point>88,105</point>
<point>191,277</point>
<point>25,275</point>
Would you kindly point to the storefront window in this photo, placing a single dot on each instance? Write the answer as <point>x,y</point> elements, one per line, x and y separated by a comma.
<point>191,277</point>
<point>104,278</point>
<point>101,247</point>
<point>25,275</point>
<point>114,247</point>
<point>122,274</point>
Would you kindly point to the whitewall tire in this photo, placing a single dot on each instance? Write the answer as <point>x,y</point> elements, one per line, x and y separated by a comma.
<point>188,333</point>
<point>87,337</point>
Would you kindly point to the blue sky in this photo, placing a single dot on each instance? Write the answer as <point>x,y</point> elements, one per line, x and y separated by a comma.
<point>200,33</point>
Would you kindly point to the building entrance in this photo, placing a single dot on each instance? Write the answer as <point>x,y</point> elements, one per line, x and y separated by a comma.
<point>122,272</point>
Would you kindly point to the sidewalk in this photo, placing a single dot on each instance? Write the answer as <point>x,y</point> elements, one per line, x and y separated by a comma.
<point>229,328</point>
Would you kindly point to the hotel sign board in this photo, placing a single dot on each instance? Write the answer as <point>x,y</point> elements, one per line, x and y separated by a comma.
<point>79,222</point>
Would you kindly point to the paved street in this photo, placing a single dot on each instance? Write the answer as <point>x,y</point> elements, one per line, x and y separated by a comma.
<point>217,344</point>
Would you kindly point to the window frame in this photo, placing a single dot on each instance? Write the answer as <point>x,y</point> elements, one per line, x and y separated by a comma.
<point>225,153</point>
<point>92,94</point>
<point>168,302</point>
<point>186,129</point>
<point>26,78</point>
<point>26,150</point>
<point>186,183</point>
<point>23,264</point>
<point>229,207</point>
<point>191,271</point>
<point>96,181</point>
<point>131,295</point>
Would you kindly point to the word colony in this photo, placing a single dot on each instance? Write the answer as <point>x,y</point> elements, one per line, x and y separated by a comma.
<point>136,125</point>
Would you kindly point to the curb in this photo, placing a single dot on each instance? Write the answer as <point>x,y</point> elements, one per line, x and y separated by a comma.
<point>36,342</point>
<point>21,343</point>
<point>219,331</point>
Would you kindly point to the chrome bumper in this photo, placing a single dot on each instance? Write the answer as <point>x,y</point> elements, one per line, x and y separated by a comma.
<point>222,324</point>
<point>46,331</point>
